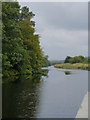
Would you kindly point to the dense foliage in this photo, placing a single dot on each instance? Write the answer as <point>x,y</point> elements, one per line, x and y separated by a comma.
<point>21,51</point>
<point>76,59</point>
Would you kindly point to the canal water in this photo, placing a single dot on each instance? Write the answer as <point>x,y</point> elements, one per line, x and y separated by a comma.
<point>54,96</point>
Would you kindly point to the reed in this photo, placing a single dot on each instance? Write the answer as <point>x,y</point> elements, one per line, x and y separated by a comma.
<point>72,66</point>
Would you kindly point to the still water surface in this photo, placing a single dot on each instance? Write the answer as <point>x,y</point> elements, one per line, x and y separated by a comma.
<point>55,96</point>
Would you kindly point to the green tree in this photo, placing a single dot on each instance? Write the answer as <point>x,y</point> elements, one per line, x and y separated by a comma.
<point>67,60</point>
<point>11,37</point>
<point>21,51</point>
<point>76,59</point>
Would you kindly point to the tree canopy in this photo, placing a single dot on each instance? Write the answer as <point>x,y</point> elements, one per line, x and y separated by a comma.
<point>76,59</point>
<point>21,52</point>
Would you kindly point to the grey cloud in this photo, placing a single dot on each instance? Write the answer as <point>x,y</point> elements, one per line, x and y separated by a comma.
<point>62,43</point>
<point>63,15</point>
<point>62,27</point>
<point>68,15</point>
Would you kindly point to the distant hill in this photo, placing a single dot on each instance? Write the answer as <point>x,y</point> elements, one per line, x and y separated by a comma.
<point>53,62</point>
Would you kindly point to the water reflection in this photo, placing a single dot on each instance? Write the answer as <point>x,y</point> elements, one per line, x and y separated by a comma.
<point>55,96</point>
<point>20,99</point>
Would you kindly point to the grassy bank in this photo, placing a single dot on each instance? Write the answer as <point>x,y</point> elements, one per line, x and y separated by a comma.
<point>72,66</point>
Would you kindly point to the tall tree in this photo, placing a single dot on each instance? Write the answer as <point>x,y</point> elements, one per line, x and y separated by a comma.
<point>21,48</point>
<point>12,38</point>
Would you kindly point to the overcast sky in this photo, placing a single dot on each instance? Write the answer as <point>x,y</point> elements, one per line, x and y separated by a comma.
<point>63,27</point>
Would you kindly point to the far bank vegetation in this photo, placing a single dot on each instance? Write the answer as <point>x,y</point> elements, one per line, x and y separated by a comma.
<point>77,62</point>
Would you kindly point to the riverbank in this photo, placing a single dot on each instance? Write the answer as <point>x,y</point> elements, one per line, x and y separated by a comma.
<point>83,110</point>
<point>72,66</point>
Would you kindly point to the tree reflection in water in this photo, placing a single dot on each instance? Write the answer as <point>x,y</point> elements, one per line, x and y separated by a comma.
<point>21,98</point>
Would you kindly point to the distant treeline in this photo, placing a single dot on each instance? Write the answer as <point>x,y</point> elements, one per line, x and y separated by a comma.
<point>53,62</point>
<point>76,59</point>
<point>69,59</point>
<point>21,52</point>
<point>77,62</point>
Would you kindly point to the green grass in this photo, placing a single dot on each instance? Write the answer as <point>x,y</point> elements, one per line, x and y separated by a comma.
<point>72,66</point>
